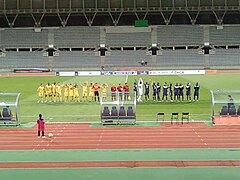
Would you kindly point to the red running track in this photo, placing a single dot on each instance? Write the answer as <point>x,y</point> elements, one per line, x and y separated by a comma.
<point>82,136</point>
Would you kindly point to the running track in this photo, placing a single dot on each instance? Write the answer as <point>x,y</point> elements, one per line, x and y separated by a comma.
<point>82,136</point>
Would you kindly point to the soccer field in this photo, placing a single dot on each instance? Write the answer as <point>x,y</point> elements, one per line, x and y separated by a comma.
<point>90,111</point>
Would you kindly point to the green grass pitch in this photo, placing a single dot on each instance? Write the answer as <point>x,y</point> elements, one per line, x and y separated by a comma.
<point>90,111</point>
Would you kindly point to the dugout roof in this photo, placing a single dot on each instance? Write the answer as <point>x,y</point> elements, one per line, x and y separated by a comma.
<point>48,13</point>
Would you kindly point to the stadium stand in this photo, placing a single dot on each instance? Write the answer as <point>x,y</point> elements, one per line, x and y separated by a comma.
<point>228,35</point>
<point>180,58</point>
<point>73,59</point>
<point>127,58</point>
<point>180,46</point>
<point>24,60</point>
<point>225,57</point>
<point>182,35</point>
<point>129,39</point>
<point>77,36</point>
<point>23,38</point>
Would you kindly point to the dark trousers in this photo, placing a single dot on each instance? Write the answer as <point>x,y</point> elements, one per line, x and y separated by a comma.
<point>39,133</point>
<point>96,95</point>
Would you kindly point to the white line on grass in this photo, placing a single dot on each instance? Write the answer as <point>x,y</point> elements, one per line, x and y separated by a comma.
<point>126,80</point>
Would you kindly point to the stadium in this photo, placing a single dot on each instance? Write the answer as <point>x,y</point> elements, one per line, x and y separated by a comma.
<point>124,89</point>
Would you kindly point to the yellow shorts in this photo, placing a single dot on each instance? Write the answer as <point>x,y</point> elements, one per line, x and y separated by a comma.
<point>91,94</point>
<point>84,94</point>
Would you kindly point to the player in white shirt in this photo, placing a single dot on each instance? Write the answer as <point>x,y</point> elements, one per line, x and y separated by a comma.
<point>140,90</point>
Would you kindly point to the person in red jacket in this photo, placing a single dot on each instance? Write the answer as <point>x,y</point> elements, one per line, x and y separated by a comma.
<point>41,126</point>
<point>126,92</point>
<point>120,91</point>
<point>113,92</point>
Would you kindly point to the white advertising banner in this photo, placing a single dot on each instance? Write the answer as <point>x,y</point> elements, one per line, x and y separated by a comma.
<point>176,72</point>
<point>89,73</point>
<point>124,73</point>
<point>67,73</point>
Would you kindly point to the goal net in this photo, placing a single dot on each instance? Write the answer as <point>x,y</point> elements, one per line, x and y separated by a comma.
<point>9,109</point>
<point>225,106</point>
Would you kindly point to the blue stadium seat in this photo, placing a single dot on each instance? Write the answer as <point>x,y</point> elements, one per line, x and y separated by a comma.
<point>224,111</point>
<point>114,112</point>
<point>105,111</point>
<point>130,112</point>
<point>122,113</point>
<point>6,114</point>
<point>238,111</point>
<point>232,110</point>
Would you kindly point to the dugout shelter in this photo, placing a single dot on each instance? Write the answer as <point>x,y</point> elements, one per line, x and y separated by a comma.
<point>9,109</point>
<point>225,107</point>
<point>118,108</point>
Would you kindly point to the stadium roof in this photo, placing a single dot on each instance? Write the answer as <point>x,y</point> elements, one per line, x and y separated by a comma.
<point>45,13</point>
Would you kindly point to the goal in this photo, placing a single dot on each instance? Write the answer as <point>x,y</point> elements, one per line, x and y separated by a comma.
<point>9,109</point>
<point>225,107</point>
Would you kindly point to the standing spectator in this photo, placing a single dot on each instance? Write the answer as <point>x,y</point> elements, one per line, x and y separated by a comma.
<point>188,91</point>
<point>41,126</point>
<point>196,92</point>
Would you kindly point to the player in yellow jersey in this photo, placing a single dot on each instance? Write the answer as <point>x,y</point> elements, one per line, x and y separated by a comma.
<point>40,91</point>
<point>70,92</point>
<point>104,91</point>
<point>75,93</point>
<point>66,92</point>
<point>84,91</point>
<point>53,95</point>
<point>48,92</point>
<point>58,89</point>
<point>91,92</point>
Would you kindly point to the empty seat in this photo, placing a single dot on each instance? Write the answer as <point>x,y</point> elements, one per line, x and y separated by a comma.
<point>6,114</point>
<point>105,111</point>
<point>114,111</point>
<point>122,112</point>
<point>224,111</point>
<point>238,111</point>
<point>185,116</point>
<point>160,116</point>
<point>130,112</point>
<point>174,117</point>
<point>232,110</point>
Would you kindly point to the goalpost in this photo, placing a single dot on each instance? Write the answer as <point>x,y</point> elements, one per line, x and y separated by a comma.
<point>225,107</point>
<point>9,109</point>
